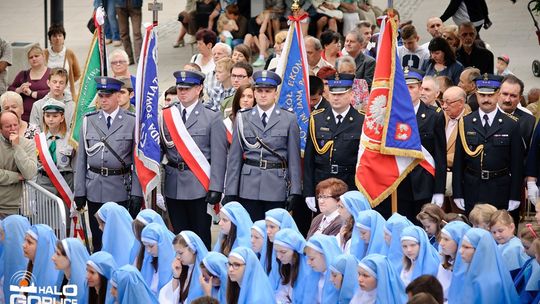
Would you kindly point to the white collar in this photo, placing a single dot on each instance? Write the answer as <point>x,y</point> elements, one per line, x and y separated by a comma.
<point>491,116</point>
<point>330,218</point>
<point>188,109</point>
<point>416,107</point>
<point>112,115</point>
<point>343,114</point>
<point>61,53</point>
<point>318,103</point>
<point>268,112</point>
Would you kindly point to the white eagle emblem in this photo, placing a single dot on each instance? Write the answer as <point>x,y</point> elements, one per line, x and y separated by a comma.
<point>375,117</point>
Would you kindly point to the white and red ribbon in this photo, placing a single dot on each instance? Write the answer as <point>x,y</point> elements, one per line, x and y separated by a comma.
<point>229,128</point>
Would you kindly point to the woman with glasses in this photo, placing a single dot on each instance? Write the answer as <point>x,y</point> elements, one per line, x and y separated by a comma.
<point>247,282</point>
<point>328,221</point>
<point>119,61</point>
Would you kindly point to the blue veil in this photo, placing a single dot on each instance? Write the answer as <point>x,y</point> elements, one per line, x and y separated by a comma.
<point>117,235</point>
<point>374,222</point>
<point>216,264</point>
<point>326,245</point>
<point>487,279</point>
<point>44,272</point>
<point>260,227</point>
<point>77,255</point>
<point>13,259</point>
<point>155,233</point>
<point>131,286</point>
<point>456,230</point>
<point>145,216</point>
<point>346,264</point>
<point>355,202</point>
<point>104,263</point>
<point>428,259</point>
<point>394,226</point>
<point>195,243</point>
<point>307,279</point>
<point>255,286</point>
<point>390,288</point>
<point>240,218</point>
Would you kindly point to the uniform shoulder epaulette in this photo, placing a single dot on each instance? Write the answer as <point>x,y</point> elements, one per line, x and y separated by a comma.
<point>209,107</point>
<point>515,118</point>
<point>170,105</point>
<point>315,112</point>
<point>130,113</point>
<point>288,110</point>
<point>245,110</point>
<point>91,113</point>
<point>361,111</point>
<point>466,114</point>
<point>438,109</point>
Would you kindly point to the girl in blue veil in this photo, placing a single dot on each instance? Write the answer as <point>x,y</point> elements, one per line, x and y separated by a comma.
<point>297,279</point>
<point>145,217</point>
<point>379,282</point>
<point>276,219</point>
<point>70,258</point>
<point>320,251</point>
<point>235,225</point>
<point>159,254</point>
<point>451,268</point>
<point>128,287</point>
<point>185,285</point>
<point>370,224</point>
<point>99,270</point>
<point>39,246</point>
<point>214,277</point>
<point>258,240</point>
<point>419,256</point>
<point>392,235</point>
<point>527,279</point>
<point>345,276</point>
<point>115,222</point>
<point>248,282</point>
<point>486,279</point>
<point>349,206</point>
<point>14,229</point>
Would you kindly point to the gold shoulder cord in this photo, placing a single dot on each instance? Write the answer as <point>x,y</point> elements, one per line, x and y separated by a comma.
<point>326,146</point>
<point>478,149</point>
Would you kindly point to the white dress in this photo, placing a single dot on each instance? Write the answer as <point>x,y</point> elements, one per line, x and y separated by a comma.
<point>284,294</point>
<point>406,276</point>
<point>364,297</point>
<point>445,278</point>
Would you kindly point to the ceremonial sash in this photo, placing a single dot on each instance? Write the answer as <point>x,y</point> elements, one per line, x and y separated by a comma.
<point>186,146</point>
<point>428,163</point>
<point>56,178</point>
<point>228,127</point>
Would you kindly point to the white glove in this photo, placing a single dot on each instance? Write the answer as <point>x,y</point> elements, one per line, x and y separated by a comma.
<point>310,202</point>
<point>460,203</point>
<point>160,202</point>
<point>513,205</point>
<point>438,199</point>
<point>532,192</point>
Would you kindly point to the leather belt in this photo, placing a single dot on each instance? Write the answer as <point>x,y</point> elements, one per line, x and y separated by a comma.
<point>182,166</point>
<point>264,164</point>
<point>336,169</point>
<point>108,171</point>
<point>486,175</point>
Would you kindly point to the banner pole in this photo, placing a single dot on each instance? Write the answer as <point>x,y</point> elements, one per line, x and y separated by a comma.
<point>393,198</point>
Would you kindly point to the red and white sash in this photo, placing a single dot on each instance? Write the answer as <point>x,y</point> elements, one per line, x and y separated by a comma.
<point>56,178</point>
<point>428,163</point>
<point>229,128</point>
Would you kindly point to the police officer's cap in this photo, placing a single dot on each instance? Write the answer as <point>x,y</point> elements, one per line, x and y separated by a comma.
<point>188,79</point>
<point>413,75</point>
<point>266,79</point>
<point>340,83</point>
<point>53,106</point>
<point>488,83</point>
<point>108,84</point>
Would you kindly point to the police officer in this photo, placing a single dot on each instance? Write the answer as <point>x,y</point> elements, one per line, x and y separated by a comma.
<point>104,171</point>
<point>488,162</point>
<point>333,139</point>
<point>420,186</point>
<point>185,196</point>
<point>264,159</point>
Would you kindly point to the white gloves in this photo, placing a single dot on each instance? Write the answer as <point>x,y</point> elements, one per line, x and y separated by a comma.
<point>310,202</point>
<point>460,203</point>
<point>513,205</point>
<point>160,202</point>
<point>438,199</point>
<point>532,192</point>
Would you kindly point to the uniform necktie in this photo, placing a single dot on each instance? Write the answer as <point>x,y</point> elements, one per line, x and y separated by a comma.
<point>184,113</point>
<point>486,122</point>
<point>52,147</point>
<point>339,117</point>
<point>109,121</point>
<point>263,117</point>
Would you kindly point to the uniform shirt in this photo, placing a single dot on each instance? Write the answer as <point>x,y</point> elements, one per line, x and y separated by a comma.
<point>188,109</point>
<point>343,114</point>
<point>112,115</point>
<point>491,116</point>
<point>268,112</point>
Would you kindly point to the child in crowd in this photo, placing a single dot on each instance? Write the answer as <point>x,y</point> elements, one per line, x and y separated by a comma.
<point>432,218</point>
<point>501,67</point>
<point>526,281</point>
<point>258,240</point>
<point>129,287</point>
<point>480,215</point>
<point>224,86</point>
<point>350,204</point>
<point>427,284</point>
<point>99,270</point>
<point>345,277</point>
<point>419,257</point>
<point>12,235</point>
<point>213,278</point>
<point>502,228</point>
<point>159,255</point>
<point>235,225</point>
<point>392,236</point>
<point>320,251</point>
<point>145,217</point>
<point>370,223</point>
<point>70,258</point>
<point>117,235</point>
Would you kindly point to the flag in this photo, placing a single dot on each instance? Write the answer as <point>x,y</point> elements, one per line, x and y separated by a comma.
<point>293,70</point>
<point>390,145</point>
<point>147,151</point>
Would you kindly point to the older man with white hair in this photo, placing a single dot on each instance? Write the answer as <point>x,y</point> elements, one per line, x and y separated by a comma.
<point>429,91</point>
<point>313,52</point>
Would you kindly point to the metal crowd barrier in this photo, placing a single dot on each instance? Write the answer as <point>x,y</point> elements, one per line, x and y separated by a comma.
<point>42,207</point>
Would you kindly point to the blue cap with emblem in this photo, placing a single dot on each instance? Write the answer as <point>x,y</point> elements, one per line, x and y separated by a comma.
<point>412,75</point>
<point>108,84</point>
<point>488,83</point>
<point>188,79</point>
<point>340,83</point>
<point>266,79</point>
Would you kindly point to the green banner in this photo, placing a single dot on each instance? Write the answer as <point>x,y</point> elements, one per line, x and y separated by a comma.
<point>87,90</point>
